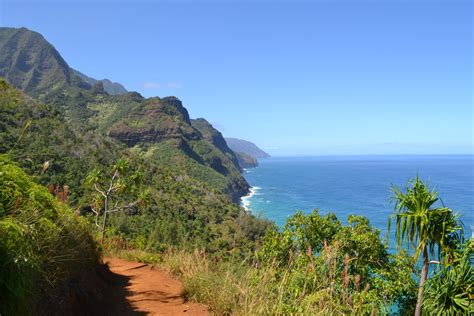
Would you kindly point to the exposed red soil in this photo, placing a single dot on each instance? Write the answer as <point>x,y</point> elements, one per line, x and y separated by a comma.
<point>147,290</point>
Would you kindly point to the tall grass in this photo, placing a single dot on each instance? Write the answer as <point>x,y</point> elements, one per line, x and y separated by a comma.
<point>293,274</point>
<point>242,287</point>
<point>42,242</point>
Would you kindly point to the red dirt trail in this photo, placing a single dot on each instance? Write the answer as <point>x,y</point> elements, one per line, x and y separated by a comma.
<point>149,291</point>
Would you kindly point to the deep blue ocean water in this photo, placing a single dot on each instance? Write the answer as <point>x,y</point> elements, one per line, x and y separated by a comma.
<point>356,185</point>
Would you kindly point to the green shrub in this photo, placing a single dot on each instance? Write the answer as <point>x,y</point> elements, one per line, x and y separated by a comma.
<point>451,290</point>
<point>314,265</point>
<point>42,242</point>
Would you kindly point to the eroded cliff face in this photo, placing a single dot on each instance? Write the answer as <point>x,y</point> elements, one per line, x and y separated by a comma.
<point>246,161</point>
<point>215,137</point>
<point>165,123</point>
<point>155,120</point>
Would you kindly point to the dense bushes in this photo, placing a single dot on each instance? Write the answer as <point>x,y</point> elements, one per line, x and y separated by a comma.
<point>42,242</point>
<point>33,133</point>
<point>186,214</point>
<point>335,268</point>
<point>313,265</point>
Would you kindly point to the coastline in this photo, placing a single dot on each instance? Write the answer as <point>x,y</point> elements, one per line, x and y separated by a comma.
<point>245,200</point>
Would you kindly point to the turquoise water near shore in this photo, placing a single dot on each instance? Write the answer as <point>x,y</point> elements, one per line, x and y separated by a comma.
<point>356,185</point>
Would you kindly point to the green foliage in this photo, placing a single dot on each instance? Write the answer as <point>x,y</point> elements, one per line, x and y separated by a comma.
<point>109,186</point>
<point>33,134</point>
<point>362,243</point>
<point>328,267</point>
<point>296,271</point>
<point>421,224</point>
<point>180,212</point>
<point>188,177</point>
<point>451,290</point>
<point>178,161</point>
<point>22,51</point>
<point>425,228</point>
<point>161,128</point>
<point>311,230</point>
<point>186,205</point>
<point>301,233</point>
<point>42,242</point>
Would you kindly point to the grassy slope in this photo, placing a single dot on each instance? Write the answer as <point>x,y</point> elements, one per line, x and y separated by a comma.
<point>43,244</point>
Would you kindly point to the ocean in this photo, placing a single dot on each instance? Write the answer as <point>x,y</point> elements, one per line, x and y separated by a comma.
<point>356,185</point>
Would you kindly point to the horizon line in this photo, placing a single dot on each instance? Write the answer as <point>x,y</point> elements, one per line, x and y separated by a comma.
<point>362,155</point>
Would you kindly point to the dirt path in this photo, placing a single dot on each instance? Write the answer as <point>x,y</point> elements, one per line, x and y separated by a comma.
<point>151,291</point>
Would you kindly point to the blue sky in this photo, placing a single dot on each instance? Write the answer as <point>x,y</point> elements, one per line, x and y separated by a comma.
<point>295,77</point>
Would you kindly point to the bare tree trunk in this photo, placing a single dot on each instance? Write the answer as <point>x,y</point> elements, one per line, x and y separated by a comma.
<point>104,221</point>
<point>424,275</point>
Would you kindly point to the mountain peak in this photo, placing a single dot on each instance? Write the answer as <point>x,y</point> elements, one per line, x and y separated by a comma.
<point>30,62</point>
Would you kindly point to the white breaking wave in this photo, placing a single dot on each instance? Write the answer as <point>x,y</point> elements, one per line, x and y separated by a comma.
<point>245,200</point>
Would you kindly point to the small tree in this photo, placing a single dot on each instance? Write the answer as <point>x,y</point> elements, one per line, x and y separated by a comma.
<point>108,186</point>
<point>425,227</point>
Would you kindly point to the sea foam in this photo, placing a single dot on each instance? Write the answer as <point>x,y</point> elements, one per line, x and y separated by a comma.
<point>245,200</point>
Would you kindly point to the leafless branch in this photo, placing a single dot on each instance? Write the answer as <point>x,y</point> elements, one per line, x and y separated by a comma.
<point>112,186</point>
<point>123,207</point>
<point>96,216</point>
<point>99,190</point>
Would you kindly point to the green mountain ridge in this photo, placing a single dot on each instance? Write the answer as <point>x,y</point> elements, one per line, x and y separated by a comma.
<point>112,88</point>
<point>33,65</point>
<point>143,125</point>
<point>215,137</point>
<point>189,204</point>
<point>161,128</point>
<point>175,184</point>
<point>246,147</point>
<point>61,129</point>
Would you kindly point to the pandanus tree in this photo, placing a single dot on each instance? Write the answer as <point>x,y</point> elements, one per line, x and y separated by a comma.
<point>110,188</point>
<point>451,291</point>
<point>428,229</point>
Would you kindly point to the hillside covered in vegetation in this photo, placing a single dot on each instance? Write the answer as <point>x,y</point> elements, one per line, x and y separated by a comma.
<point>43,246</point>
<point>85,172</point>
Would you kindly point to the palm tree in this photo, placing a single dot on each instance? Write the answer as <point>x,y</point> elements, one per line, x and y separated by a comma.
<point>424,227</point>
